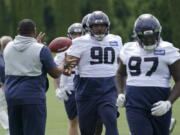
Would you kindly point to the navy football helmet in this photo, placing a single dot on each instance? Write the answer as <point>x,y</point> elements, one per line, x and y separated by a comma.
<point>101,21</point>
<point>148,30</point>
<point>84,23</point>
<point>75,29</point>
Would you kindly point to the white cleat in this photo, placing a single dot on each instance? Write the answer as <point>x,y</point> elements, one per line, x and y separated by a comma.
<point>172,125</point>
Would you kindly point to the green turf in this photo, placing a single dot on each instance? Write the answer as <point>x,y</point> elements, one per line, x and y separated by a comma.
<point>57,120</point>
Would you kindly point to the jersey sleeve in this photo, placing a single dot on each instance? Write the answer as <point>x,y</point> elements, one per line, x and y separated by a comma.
<point>75,49</point>
<point>172,54</point>
<point>118,39</point>
<point>120,45</point>
<point>123,54</point>
<point>59,58</point>
<point>47,59</point>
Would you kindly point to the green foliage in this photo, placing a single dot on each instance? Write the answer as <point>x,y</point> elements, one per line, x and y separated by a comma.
<point>66,13</point>
<point>2,16</point>
<point>123,21</point>
<point>174,6</point>
<point>54,16</point>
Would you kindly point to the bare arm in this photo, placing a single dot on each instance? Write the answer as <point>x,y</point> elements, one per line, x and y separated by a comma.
<point>121,78</point>
<point>70,62</point>
<point>56,82</point>
<point>175,72</point>
<point>65,66</point>
<point>56,72</point>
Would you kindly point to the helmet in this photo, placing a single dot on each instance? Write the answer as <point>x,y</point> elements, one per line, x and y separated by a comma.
<point>4,41</point>
<point>98,18</point>
<point>134,36</point>
<point>148,30</point>
<point>75,29</point>
<point>84,23</point>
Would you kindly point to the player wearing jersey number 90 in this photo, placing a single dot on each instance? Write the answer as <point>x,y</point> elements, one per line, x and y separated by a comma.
<point>97,54</point>
<point>146,67</point>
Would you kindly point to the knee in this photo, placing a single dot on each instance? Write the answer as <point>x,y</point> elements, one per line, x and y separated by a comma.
<point>110,119</point>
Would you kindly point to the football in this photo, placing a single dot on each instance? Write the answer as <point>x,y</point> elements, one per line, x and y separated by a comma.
<point>60,44</point>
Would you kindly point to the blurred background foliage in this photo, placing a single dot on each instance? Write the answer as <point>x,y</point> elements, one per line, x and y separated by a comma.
<point>54,16</point>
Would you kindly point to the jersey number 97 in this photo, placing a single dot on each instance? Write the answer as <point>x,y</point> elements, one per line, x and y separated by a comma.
<point>135,70</point>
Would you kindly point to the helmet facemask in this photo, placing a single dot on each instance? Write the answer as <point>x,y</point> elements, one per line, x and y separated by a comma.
<point>148,39</point>
<point>74,35</point>
<point>84,24</point>
<point>98,25</point>
<point>148,30</point>
<point>99,31</point>
<point>75,30</point>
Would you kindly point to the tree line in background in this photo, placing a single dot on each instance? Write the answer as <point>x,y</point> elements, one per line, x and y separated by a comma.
<point>54,16</point>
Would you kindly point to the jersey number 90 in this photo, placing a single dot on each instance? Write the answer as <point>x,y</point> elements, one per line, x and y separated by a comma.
<point>102,55</point>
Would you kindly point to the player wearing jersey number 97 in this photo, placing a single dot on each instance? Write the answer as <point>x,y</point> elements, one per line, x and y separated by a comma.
<point>148,64</point>
<point>96,54</point>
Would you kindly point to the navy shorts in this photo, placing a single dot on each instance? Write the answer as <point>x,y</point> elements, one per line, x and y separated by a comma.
<point>101,107</point>
<point>70,106</point>
<point>27,119</point>
<point>141,122</point>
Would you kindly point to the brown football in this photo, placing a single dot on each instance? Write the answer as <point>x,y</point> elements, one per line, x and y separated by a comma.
<point>60,44</point>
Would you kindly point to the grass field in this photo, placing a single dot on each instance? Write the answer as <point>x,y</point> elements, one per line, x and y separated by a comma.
<point>57,120</point>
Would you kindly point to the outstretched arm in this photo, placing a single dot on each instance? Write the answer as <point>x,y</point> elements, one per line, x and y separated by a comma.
<point>175,72</point>
<point>120,84</point>
<point>69,63</point>
<point>121,78</point>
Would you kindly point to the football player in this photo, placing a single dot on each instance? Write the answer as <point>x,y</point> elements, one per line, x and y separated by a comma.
<point>99,124</point>
<point>3,104</point>
<point>4,41</point>
<point>96,54</point>
<point>84,23</point>
<point>148,65</point>
<point>65,89</point>
<point>173,120</point>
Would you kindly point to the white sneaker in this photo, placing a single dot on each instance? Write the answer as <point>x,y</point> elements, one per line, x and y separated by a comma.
<point>7,132</point>
<point>172,125</point>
